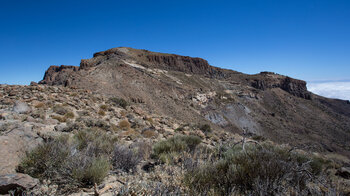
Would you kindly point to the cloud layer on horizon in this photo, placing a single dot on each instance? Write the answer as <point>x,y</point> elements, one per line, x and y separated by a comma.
<point>339,90</point>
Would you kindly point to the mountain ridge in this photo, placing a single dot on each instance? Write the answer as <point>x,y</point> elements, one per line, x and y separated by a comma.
<point>189,89</point>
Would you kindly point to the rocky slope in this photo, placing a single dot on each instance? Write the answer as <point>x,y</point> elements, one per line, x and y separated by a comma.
<point>190,90</point>
<point>33,115</point>
<point>167,117</point>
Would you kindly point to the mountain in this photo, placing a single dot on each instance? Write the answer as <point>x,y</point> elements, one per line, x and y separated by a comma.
<point>188,89</point>
<point>135,122</point>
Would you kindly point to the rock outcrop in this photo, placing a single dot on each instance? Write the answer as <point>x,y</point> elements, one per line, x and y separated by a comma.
<point>268,80</point>
<point>58,75</point>
<point>12,182</point>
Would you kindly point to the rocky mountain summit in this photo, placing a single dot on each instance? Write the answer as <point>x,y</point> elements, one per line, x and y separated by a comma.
<point>135,122</point>
<point>189,89</point>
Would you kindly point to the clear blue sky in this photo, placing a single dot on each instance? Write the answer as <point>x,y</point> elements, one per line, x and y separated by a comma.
<point>306,39</point>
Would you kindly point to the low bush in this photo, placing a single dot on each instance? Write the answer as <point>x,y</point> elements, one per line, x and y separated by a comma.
<point>176,144</point>
<point>59,118</point>
<point>266,170</point>
<point>125,159</point>
<point>124,124</point>
<point>71,162</point>
<point>69,115</point>
<point>205,128</point>
<point>104,107</point>
<point>59,109</point>
<point>40,105</point>
<point>149,134</point>
<point>119,101</point>
<point>95,139</point>
<point>101,112</point>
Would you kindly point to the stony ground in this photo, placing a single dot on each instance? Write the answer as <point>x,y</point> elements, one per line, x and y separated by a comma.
<point>30,115</point>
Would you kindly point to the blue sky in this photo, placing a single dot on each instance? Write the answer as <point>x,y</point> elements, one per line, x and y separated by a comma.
<point>305,39</point>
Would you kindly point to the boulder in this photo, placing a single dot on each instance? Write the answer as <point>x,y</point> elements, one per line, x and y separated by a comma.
<point>17,181</point>
<point>13,146</point>
<point>21,108</point>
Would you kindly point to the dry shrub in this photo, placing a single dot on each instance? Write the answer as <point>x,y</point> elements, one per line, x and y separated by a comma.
<point>149,134</point>
<point>124,124</point>
<point>123,113</point>
<point>101,112</point>
<point>40,105</point>
<point>119,101</point>
<point>69,115</point>
<point>144,149</point>
<point>125,159</point>
<point>130,133</point>
<point>59,118</point>
<point>59,109</point>
<point>104,107</point>
<point>266,170</point>
<point>149,119</point>
<point>114,128</point>
<point>71,162</point>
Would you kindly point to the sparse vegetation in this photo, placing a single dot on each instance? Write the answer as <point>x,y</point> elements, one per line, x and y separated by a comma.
<point>59,109</point>
<point>124,124</point>
<point>69,115</point>
<point>40,105</point>
<point>101,112</point>
<point>104,107</point>
<point>71,162</point>
<point>172,146</point>
<point>258,138</point>
<point>119,101</point>
<point>205,128</point>
<point>265,170</point>
<point>59,118</point>
<point>125,159</point>
<point>179,129</point>
<point>149,134</point>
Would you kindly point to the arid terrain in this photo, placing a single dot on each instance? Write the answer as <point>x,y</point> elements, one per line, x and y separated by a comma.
<point>135,122</point>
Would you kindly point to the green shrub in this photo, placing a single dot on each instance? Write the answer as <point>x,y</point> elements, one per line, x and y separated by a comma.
<point>266,170</point>
<point>258,138</point>
<point>205,128</point>
<point>176,144</point>
<point>96,139</point>
<point>59,109</point>
<point>179,129</point>
<point>104,107</point>
<point>45,159</point>
<point>71,162</point>
<point>119,101</point>
<point>94,172</point>
<point>69,115</point>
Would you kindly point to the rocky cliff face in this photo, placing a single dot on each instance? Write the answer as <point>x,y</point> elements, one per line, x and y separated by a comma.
<point>58,75</point>
<point>189,89</point>
<point>295,87</point>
